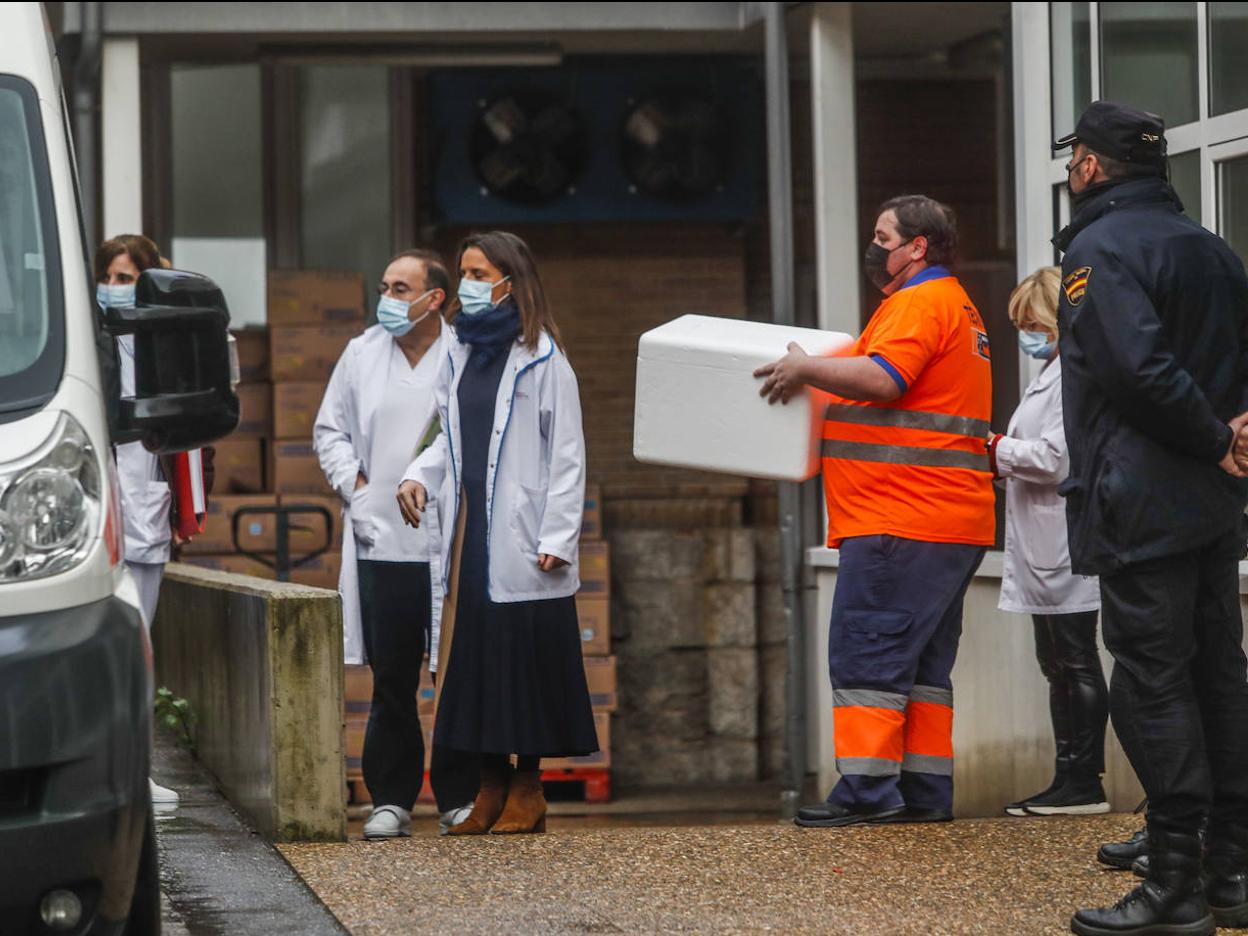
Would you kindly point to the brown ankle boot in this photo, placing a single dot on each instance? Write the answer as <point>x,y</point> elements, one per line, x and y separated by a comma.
<point>488,805</point>
<point>526,805</point>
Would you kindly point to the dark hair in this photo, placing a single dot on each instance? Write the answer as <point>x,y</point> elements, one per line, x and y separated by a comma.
<point>436,276</point>
<point>143,253</point>
<point>920,216</point>
<point>512,256</point>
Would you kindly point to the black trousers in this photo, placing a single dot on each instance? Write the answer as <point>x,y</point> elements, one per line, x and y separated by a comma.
<point>1078,696</point>
<point>395,608</point>
<point>1178,694</point>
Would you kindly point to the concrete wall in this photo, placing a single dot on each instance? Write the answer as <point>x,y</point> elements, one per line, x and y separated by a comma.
<point>261,664</point>
<point>1002,737</point>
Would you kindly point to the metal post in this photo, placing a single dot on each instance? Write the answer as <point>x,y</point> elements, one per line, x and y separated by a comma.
<point>86,99</point>
<point>780,218</point>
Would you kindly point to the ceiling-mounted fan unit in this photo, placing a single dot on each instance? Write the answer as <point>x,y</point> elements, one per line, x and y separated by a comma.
<point>528,147</point>
<point>677,146</point>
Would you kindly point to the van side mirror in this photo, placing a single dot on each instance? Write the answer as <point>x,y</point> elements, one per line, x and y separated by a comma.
<point>183,393</point>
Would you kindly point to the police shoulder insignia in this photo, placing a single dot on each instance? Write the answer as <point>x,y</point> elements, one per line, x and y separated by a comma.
<point>1076,284</point>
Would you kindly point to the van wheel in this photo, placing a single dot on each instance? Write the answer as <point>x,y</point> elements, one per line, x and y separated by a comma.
<point>144,917</point>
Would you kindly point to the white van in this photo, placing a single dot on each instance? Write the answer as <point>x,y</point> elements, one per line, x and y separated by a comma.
<point>77,852</point>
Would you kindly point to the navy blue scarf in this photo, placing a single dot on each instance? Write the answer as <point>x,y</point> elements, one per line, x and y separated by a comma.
<point>489,333</point>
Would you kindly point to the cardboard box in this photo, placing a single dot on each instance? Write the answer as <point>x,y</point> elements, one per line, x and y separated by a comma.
<point>594,618</point>
<point>307,531</point>
<point>307,352</point>
<point>310,297</point>
<point>600,674</point>
<point>595,569</point>
<point>357,687</point>
<point>591,521</point>
<point>255,404</point>
<point>354,728</point>
<point>294,408</point>
<point>253,354</point>
<point>602,722</point>
<point>321,572</point>
<point>296,469</point>
<point>239,565</point>
<point>239,466</point>
<point>255,532</point>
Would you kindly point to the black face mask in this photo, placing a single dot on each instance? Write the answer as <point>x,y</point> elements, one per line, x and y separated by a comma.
<point>875,262</point>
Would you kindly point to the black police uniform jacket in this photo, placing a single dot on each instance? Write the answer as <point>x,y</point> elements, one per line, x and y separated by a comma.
<point>1153,321</point>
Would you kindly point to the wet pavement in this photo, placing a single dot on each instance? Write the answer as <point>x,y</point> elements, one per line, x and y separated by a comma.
<point>218,878</point>
<point>619,875</point>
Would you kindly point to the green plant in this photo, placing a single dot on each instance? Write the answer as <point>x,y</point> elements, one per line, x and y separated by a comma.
<point>177,715</point>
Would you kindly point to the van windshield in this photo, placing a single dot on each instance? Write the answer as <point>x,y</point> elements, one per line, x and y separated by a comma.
<point>32,346</point>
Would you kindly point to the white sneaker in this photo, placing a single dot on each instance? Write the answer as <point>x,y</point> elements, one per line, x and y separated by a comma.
<point>453,817</point>
<point>388,822</point>
<point>162,796</point>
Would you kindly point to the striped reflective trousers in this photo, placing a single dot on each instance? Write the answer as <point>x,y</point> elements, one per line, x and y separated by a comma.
<point>893,640</point>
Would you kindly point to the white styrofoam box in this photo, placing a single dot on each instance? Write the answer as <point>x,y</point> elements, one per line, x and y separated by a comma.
<point>698,406</point>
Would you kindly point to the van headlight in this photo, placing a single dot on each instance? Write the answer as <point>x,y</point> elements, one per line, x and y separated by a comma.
<point>49,505</point>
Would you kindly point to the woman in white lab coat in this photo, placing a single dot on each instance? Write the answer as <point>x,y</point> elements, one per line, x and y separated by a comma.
<point>1031,457</point>
<point>508,475</point>
<point>147,504</point>
<point>377,412</point>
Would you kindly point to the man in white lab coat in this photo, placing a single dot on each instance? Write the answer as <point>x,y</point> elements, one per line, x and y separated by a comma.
<point>378,412</point>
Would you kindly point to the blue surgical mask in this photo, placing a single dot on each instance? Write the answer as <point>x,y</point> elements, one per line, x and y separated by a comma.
<point>475,296</point>
<point>1037,345</point>
<point>392,314</point>
<point>120,296</point>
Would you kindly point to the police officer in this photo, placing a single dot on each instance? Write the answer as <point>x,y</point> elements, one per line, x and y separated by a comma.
<point>1154,334</point>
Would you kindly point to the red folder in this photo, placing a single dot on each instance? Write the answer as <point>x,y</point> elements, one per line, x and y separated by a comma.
<point>188,489</point>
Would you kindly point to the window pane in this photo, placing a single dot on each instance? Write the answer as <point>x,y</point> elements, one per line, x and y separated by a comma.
<point>24,315</point>
<point>1070,59</point>
<point>1228,57</point>
<point>346,207</point>
<point>1233,204</point>
<point>217,176</point>
<point>1148,58</point>
<point>1185,177</point>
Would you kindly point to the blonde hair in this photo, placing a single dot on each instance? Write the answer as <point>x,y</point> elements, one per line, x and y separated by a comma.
<point>1034,300</point>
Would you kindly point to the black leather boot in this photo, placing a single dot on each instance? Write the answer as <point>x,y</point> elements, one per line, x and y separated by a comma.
<point>1226,876</point>
<point>1171,902</point>
<point>1122,855</point>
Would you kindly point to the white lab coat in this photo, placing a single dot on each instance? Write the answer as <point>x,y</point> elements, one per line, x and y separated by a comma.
<point>347,426</point>
<point>1032,458</point>
<point>145,497</point>
<point>535,478</point>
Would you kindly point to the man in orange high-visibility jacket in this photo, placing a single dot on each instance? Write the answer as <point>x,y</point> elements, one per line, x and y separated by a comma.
<point>910,504</point>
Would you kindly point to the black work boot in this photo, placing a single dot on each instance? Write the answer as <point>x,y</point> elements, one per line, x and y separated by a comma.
<point>1122,855</point>
<point>1171,902</point>
<point>1226,876</point>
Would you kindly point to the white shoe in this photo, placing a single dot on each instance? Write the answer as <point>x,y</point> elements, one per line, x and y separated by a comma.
<point>162,796</point>
<point>388,822</point>
<point>453,817</point>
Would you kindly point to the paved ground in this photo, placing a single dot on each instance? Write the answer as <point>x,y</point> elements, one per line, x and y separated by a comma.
<point>1015,877</point>
<point>217,877</point>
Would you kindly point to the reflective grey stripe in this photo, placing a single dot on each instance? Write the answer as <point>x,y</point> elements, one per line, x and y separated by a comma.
<point>907,419</point>
<point>867,767</point>
<point>872,698</point>
<point>905,455</point>
<point>932,694</point>
<point>929,764</point>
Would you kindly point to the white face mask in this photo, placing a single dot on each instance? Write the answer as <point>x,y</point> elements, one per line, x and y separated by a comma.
<point>119,296</point>
<point>392,314</point>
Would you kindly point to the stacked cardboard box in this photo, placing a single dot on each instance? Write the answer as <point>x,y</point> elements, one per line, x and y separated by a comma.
<point>269,459</point>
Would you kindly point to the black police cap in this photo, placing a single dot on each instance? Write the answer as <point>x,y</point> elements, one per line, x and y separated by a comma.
<point>1119,132</point>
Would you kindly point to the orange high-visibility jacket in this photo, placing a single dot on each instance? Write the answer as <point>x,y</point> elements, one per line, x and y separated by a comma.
<point>916,467</point>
